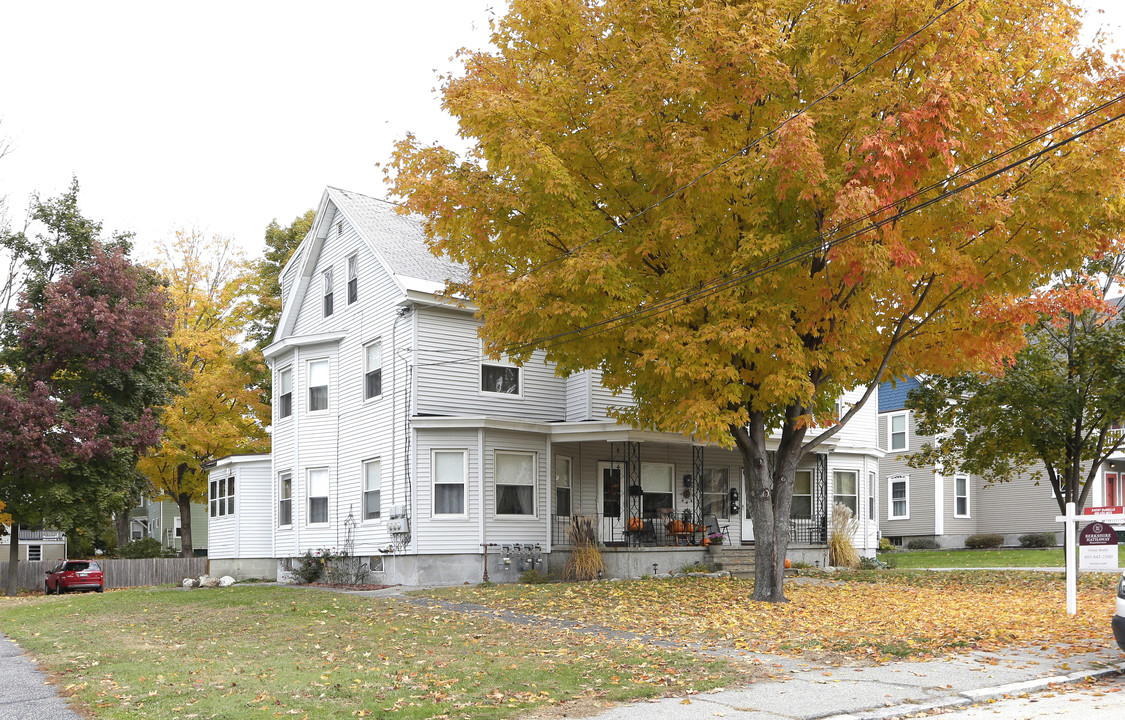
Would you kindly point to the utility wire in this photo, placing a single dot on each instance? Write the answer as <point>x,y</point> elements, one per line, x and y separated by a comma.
<point>821,241</point>
<point>663,306</point>
<point>743,150</point>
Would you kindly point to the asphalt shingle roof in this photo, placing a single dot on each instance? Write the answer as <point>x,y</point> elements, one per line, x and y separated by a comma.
<point>400,239</point>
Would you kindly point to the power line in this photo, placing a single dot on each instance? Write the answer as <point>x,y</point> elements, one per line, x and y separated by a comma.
<point>743,150</point>
<point>819,242</point>
<point>663,306</point>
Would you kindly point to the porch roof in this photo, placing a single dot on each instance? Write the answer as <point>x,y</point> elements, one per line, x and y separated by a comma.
<point>578,431</point>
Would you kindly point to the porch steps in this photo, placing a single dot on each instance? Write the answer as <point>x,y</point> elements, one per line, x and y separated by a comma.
<point>737,560</point>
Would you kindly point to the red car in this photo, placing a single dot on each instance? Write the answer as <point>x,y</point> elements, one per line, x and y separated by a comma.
<point>74,575</point>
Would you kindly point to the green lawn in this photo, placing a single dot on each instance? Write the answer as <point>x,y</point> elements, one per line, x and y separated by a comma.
<point>1018,557</point>
<point>267,651</point>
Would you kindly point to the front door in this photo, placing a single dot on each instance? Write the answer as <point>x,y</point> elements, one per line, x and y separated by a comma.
<point>611,500</point>
<point>747,523</point>
<point>1112,489</point>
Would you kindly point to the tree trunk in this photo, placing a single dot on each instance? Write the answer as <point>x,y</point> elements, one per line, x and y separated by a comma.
<point>121,527</point>
<point>183,501</point>
<point>11,589</point>
<point>769,496</point>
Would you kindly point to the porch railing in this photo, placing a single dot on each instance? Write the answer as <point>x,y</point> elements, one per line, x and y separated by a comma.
<point>669,531</point>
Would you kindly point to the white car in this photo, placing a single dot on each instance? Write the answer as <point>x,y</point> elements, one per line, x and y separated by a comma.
<point>1119,617</point>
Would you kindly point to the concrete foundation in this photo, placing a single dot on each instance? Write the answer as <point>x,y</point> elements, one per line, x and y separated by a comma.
<point>244,568</point>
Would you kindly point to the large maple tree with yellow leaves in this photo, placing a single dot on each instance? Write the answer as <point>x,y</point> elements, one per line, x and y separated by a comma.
<point>667,191</point>
<point>220,412</point>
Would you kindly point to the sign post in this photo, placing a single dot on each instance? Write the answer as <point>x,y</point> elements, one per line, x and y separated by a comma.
<point>1096,549</point>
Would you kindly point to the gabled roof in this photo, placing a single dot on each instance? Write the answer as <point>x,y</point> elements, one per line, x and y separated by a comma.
<point>398,243</point>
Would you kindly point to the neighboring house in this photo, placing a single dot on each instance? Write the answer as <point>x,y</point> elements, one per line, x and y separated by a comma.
<point>948,506</point>
<point>395,439</point>
<point>36,545</point>
<point>160,519</point>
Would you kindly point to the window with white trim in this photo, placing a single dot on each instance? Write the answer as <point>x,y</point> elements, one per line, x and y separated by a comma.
<point>961,496</point>
<point>896,426</point>
<point>284,392</point>
<point>872,494</point>
<point>515,483</point>
<point>800,507</point>
<point>318,385</point>
<point>448,469</point>
<point>898,488</point>
<point>372,488</point>
<point>177,528</point>
<point>562,486</point>
<point>328,307</point>
<point>845,489</point>
<point>34,553</point>
<point>318,496</point>
<point>499,377</point>
<point>372,370</point>
<point>658,483</point>
<point>221,498</point>
<point>353,279</point>
<point>285,499</point>
<point>716,490</point>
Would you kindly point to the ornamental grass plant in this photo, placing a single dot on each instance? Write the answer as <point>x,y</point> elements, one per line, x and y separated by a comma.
<point>585,559</point>
<point>841,551</point>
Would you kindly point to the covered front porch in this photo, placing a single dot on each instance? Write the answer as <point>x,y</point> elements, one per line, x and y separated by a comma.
<point>630,494</point>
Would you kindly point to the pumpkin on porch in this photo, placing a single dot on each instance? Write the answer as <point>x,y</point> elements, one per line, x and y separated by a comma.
<point>788,563</point>
<point>634,524</point>
<point>676,527</point>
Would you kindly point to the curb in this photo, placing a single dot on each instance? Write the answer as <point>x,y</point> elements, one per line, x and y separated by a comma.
<point>972,697</point>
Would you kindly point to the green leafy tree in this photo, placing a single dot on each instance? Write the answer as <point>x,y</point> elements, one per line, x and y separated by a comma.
<point>664,192</point>
<point>1054,413</point>
<point>265,282</point>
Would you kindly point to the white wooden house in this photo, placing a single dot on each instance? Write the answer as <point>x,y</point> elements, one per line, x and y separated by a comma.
<point>394,438</point>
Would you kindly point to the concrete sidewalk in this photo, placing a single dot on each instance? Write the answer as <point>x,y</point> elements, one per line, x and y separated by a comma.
<point>808,692</point>
<point>25,693</point>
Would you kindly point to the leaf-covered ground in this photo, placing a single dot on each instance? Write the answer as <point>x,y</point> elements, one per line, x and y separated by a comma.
<point>877,615</point>
<point>247,652</point>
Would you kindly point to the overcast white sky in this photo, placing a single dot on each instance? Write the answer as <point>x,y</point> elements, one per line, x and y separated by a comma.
<point>224,115</point>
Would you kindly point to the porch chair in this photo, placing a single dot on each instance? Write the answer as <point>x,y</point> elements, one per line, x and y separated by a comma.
<point>712,526</point>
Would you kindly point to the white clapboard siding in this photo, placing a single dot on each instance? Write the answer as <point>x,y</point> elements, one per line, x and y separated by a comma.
<point>445,534</point>
<point>336,248</point>
<point>453,388</point>
<point>508,528</point>
<point>602,398</point>
<point>223,530</point>
<point>578,397</point>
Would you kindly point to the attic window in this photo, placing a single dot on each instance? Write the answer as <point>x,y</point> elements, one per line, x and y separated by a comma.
<point>353,279</point>
<point>339,228</point>
<point>328,292</point>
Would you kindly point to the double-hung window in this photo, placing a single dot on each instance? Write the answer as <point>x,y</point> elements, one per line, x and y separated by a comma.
<point>499,377</point>
<point>449,482</point>
<point>801,506</point>
<point>285,393</point>
<point>515,483</point>
<point>318,495</point>
<point>657,484</point>
<point>846,488</point>
<point>900,497</point>
<point>716,486</point>
<point>897,429</point>
<point>328,309</point>
<point>562,486</point>
<point>285,499</point>
<point>961,495</point>
<point>353,279</point>
<point>318,385</point>
<point>872,492</point>
<point>372,370</point>
<point>372,488</point>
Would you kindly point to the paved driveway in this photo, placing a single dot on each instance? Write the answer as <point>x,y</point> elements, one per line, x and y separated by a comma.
<point>25,693</point>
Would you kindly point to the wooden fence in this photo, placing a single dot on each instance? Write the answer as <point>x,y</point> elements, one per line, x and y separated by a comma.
<point>118,572</point>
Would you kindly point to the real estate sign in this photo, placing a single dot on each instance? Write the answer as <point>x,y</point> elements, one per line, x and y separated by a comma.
<point>1097,547</point>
